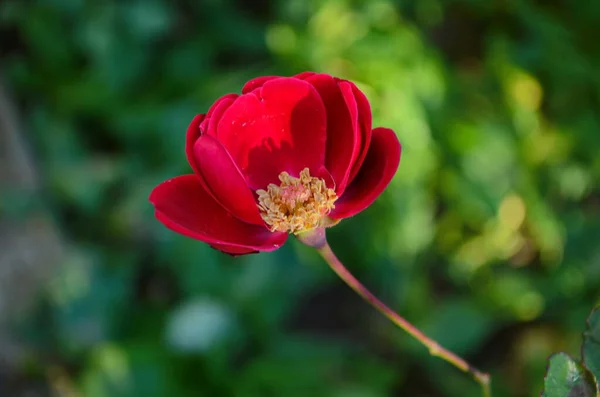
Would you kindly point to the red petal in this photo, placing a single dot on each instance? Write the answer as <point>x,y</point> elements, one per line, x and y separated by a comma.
<point>193,133</point>
<point>365,120</point>
<point>304,75</point>
<point>233,250</point>
<point>325,175</point>
<point>343,136</point>
<point>184,206</point>
<point>256,83</point>
<point>377,171</point>
<point>225,180</point>
<point>260,81</point>
<point>219,110</point>
<point>278,127</point>
<point>215,113</point>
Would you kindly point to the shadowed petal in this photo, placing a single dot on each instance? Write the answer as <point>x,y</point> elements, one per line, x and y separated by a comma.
<point>278,127</point>
<point>343,135</point>
<point>378,169</point>
<point>233,250</point>
<point>193,133</point>
<point>225,180</point>
<point>183,205</point>
<point>365,120</point>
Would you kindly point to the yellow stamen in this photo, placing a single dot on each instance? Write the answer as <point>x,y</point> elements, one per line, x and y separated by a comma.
<point>297,204</point>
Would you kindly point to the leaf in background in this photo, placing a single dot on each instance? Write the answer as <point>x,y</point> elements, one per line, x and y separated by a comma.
<point>459,325</point>
<point>566,378</point>
<point>198,325</point>
<point>591,346</point>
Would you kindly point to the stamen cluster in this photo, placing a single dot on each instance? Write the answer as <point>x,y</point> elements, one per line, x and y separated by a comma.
<point>297,204</point>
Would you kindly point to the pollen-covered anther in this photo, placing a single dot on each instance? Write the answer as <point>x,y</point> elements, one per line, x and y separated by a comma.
<point>297,204</point>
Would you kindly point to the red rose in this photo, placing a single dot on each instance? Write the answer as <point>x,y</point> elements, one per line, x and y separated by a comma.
<point>288,155</point>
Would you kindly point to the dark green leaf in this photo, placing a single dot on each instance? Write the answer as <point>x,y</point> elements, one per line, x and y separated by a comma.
<point>591,346</point>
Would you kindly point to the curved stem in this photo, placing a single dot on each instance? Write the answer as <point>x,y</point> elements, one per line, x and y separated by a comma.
<point>434,348</point>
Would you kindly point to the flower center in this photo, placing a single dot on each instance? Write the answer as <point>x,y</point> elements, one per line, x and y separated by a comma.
<point>297,204</point>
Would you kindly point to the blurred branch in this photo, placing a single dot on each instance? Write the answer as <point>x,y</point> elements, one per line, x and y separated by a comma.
<point>30,247</point>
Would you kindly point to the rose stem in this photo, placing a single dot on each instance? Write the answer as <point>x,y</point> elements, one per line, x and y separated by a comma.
<point>434,348</point>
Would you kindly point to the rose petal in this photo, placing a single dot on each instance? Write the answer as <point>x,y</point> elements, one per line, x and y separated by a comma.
<point>365,120</point>
<point>324,174</point>
<point>377,171</point>
<point>225,180</point>
<point>233,250</point>
<point>193,132</point>
<point>343,136</point>
<point>259,81</point>
<point>219,110</point>
<point>256,83</point>
<point>278,127</point>
<point>304,75</point>
<point>215,112</point>
<point>183,205</point>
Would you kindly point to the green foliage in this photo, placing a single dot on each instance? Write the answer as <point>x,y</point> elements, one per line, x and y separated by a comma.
<point>566,378</point>
<point>591,346</point>
<point>486,238</point>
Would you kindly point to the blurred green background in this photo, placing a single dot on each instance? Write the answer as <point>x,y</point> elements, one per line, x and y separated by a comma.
<point>487,238</point>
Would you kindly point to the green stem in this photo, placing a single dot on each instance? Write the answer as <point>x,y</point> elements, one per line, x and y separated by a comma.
<point>434,348</point>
